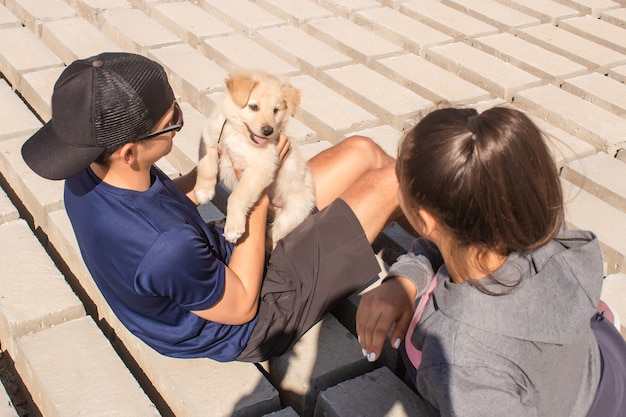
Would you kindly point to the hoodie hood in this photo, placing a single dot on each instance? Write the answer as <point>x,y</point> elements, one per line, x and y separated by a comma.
<point>559,292</point>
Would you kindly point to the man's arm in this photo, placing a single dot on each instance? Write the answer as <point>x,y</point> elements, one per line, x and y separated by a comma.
<point>244,273</point>
<point>186,184</point>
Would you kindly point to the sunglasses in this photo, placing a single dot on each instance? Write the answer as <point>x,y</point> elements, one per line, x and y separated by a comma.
<point>177,119</point>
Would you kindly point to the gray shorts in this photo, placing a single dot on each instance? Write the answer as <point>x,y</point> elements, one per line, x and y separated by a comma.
<point>324,260</point>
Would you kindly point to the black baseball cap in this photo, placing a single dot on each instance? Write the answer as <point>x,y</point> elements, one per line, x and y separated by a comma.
<point>100,102</point>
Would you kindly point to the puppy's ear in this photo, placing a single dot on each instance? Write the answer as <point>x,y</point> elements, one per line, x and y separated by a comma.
<point>292,98</point>
<point>240,87</point>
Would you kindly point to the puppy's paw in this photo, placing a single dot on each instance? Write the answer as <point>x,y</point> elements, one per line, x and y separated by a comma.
<point>234,228</point>
<point>204,195</point>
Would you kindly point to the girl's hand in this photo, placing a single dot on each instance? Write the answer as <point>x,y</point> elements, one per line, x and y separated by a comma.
<point>390,304</point>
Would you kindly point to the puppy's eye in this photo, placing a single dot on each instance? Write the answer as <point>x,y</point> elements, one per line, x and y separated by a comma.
<point>276,110</point>
<point>253,107</point>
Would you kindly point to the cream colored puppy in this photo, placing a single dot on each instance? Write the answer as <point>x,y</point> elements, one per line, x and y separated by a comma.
<point>246,128</point>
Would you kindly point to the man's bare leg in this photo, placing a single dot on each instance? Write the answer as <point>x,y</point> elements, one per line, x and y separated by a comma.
<point>359,172</point>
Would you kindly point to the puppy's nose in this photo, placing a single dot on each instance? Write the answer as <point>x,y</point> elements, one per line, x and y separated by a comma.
<point>268,130</point>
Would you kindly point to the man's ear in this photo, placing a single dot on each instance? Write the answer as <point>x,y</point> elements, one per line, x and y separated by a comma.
<point>127,153</point>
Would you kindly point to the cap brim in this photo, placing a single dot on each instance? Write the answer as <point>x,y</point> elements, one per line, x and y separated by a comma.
<point>48,156</point>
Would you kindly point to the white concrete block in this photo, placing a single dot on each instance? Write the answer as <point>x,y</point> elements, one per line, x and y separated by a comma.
<point>16,119</point>
<point>378,393</point>
<point>577,48</point>
<point>446,19</point>
<point>429,80</point>
<point>238,51</point>
<point>391,102</point>
<point>134,31</point>
<point>71,369</point>
<point>597,126</point>
<point>8,212</point>
<point>351,39</point>
<point>39,195</point>
<point>326,355</point>
<point>486,71</point>
<point>35,295</point>
<point>22,52</point>
<point>61,37</point>
<point>328,113</point>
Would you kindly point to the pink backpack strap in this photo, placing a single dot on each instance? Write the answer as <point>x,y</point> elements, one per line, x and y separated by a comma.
<point>414,354</point>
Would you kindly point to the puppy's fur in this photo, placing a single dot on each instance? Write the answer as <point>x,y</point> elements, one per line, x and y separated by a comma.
<point>245,131</point>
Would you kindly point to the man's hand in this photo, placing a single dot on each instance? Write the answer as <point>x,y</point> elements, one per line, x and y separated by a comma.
<point>283,148</point>
<point>389,304</point>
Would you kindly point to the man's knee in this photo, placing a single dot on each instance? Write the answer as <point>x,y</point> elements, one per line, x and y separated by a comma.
<point>369,150</point>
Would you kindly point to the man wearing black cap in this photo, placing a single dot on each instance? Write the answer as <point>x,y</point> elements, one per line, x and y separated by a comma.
<point>171,279</point>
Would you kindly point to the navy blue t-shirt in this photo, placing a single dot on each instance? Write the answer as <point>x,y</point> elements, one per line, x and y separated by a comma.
<point>155,260</point>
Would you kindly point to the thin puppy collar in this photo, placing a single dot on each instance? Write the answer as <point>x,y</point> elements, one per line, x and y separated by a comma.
<point>221,131</point>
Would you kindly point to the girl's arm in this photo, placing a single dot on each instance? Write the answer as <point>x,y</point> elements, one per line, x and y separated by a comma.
<point>418,266</point>
<point>392,303</point>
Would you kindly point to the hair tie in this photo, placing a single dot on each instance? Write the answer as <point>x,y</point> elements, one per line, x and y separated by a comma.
<point>472,123</point>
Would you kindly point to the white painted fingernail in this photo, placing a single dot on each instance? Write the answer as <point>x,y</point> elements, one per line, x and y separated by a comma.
<point>396,343</point>
<point>358,338</point>
<point>364,352</point>
<point>371,357</point>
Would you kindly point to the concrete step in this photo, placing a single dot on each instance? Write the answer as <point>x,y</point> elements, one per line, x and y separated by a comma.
<point>33,14</point>
<point>357,42</point>
<point>564,146</point>
<point>446,19</point>
<point>326,355</point>
<point>546,11</point>
<point>6,406</point>
<point>285,412</point>
<point>441,85</point>
<point>8,212</point>
<point>603,91</point>
<point>401,29</point>
<point>189,21</point>
<point>318,110</point>
<point>593,8</point>
<point>35,295</point>
<point>378,393</point>
<point>71,369</point>
<point>503,79</point>
<point>600,31</point>
<point>392,103</point>
<point>601,176</point>
<point>301,49</point>
<point>593,124</point>
<point>579,49</point>
<point>14,63</point>
<point>616,17</point>
<point>496,14</point>
<point>609,224</point>
<point>364,67</point>
<point>185,387</point>
<point>550,66</point>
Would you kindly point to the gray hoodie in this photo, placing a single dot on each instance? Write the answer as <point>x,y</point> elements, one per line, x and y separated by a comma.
<point>527,353</point>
